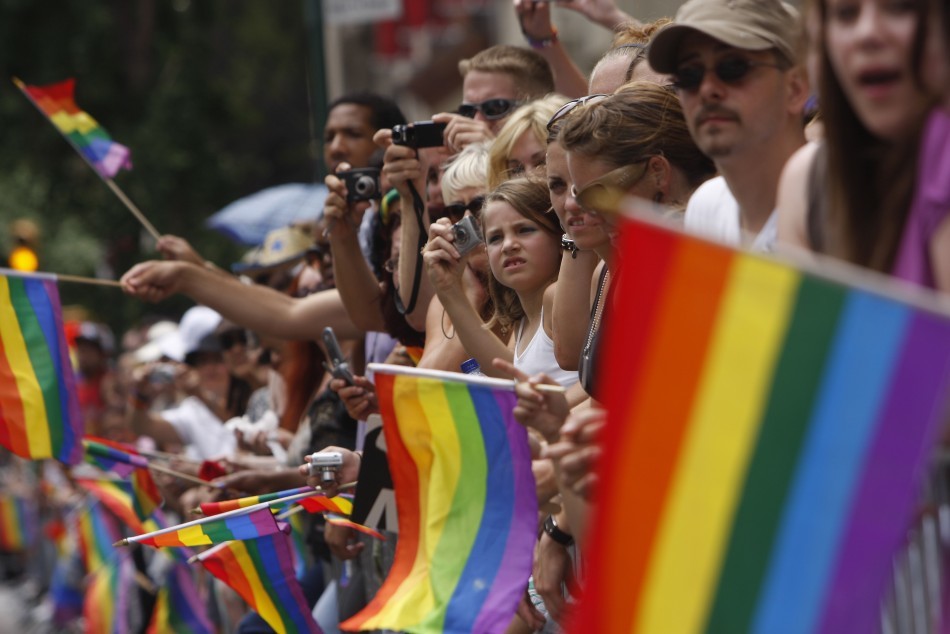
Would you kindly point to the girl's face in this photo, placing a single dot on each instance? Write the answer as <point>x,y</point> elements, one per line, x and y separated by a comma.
<point>527,154</point>
<point>869,44</point>
<point>559,181</point>
<point>522,255</point>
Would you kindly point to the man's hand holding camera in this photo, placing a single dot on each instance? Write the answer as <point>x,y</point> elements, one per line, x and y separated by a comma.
<point>461,131</point>
<point>347,200</point>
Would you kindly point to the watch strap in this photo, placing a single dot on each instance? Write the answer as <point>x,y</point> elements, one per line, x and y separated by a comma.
<point>555,533</point>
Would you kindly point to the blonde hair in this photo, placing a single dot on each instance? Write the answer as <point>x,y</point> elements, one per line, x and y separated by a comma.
<point>631,41</point>
<point>530,72</point>
<point>468,168</point>
<point>532,117</point>
<point>528,196</point>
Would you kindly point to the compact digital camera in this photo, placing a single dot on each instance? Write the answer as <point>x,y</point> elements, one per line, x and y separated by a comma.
<point>419,134</point>
<point>361,184</point>
<point>467,234</point>
<point>325,464</point>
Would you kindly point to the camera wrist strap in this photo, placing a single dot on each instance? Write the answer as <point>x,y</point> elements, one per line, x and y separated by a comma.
<point>419,207</point>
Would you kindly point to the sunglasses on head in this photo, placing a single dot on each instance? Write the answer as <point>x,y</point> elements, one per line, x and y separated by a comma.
<point>730,71</point>
<point>567,108</point>
<point>456,211</point>
<point>491,109</point>
<point>606,192</point>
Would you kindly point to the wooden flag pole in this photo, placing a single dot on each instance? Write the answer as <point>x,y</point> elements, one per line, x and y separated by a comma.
<point>182,476</point>
<point>79,279</point>
<point>131,207</point>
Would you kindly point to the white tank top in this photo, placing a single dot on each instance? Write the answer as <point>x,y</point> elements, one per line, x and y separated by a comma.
<point>539,357</point>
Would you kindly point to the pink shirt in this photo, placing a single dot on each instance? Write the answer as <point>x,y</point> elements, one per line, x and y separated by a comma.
<point>931,202</point>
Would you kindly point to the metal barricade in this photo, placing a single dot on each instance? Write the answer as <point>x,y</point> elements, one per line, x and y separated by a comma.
<point>914,602</point>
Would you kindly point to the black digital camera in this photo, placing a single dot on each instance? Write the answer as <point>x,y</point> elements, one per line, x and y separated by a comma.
<point>419,134</point>
<point>467,234</point>
<point>361,184</point>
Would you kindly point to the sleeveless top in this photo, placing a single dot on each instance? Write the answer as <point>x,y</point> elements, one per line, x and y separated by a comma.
<point>539,356</point>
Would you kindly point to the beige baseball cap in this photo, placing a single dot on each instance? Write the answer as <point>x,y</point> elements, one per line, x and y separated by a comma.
<point>752,25</point>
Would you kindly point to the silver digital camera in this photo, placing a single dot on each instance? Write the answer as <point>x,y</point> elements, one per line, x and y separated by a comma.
<point>467,234</point>
<point>325,464</point>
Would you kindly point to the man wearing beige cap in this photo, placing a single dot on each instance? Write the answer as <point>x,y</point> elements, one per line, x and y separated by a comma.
<point>735,66</point>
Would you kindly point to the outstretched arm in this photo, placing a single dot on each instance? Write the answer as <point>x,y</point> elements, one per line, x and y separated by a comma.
<point>535,19</point>
<point>256,307</point>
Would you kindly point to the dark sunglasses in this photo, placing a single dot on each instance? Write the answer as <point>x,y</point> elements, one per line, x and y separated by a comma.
<point>566,109</point>
<point>729,71</point>
<point>456,211</point>
<point>491,109</point>
<point>230,338</point>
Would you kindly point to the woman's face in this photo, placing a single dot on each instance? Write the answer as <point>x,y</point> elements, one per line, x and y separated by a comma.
<point>522,255</point>
<point>559,181</point>
<point>527,154</point>
<point>869,44</point>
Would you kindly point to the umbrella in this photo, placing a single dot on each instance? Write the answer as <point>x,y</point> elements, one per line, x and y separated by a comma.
<point>249,219</point>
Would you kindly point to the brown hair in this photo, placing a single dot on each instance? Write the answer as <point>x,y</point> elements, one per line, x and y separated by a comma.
<point>529,196</point>
<point>531,73</point>
<point>640,120</point>
<point>631,40</point>
<point>870,180</point>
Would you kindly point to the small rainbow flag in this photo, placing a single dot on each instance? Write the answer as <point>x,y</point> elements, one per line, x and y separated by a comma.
<point>178,608</point>
<point>261,571</point>
<point>18,523</point>
<point>211,530</point>
<point>115,495</point>
<point>314,504</point>
<point>767,433</point>
<point>93,143</point>
<point>97,530</point>
<point>39,408</point>
<point>133,468</point>
<point>106,602</point>
<point>466,500</point>
<point>337,520</point>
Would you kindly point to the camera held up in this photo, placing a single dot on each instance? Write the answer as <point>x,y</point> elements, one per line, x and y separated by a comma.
<point>467,234</point>
<point>419,134</point>
<point>325,464</point>
<point>361,184</point>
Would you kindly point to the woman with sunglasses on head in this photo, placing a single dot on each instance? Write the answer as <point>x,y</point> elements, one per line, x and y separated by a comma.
<point>632,143</point>
<point>519,146</point>
<point>884,138</point>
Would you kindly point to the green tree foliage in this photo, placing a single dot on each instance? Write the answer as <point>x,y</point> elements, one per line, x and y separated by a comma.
<point>210,96</point>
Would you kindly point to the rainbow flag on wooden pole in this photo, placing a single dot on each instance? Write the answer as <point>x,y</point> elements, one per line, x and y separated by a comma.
<point>39,408</point>
<point>767,435</point>
<point>88,138</point>
<point>466,500</point>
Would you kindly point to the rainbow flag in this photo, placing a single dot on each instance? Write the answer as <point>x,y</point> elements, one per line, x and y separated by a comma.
<point>106,601</point>
<point>347,523</point>
<point>178,608</point>
<point>314,504</point>
<point>466,500</point>
<point>117,497</point>
<point>133,468</point>
<point>110,458</point>
<point>261,571</point>
<point>93,143</point>
<point>768,429</point>
<point>97,531</point>
<point>213,530</point>
<point>39,409</point>
<point>18,523</point>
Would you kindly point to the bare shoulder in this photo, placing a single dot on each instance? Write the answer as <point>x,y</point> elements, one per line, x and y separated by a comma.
<point>792,203</point>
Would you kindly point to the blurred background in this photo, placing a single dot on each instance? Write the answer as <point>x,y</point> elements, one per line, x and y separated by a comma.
<point>217,99</point>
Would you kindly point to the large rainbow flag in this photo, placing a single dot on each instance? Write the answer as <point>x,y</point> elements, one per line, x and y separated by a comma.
<point>466,500</point>
<point>262,572</point>
<point>39,409</point>
<point>93,143</point>
<point>768,432</point>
